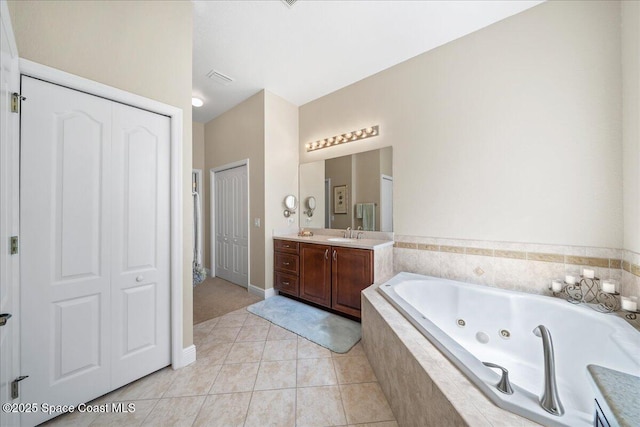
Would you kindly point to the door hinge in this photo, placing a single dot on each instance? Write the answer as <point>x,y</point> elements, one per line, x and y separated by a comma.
<point>14,245</point>
<point>15,387</point>
<point>16,98</point>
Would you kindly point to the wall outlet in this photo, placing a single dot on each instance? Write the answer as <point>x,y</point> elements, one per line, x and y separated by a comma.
<point>256,222</point>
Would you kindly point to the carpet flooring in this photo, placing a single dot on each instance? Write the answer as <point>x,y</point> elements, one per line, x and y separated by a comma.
<point>216,297</point>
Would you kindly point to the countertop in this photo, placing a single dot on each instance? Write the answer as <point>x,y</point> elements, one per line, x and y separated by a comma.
<point>350,243</point>
<point>619,392</point>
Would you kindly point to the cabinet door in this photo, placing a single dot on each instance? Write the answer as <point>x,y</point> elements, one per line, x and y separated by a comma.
<point>315,273</point>
<point>352,271</point>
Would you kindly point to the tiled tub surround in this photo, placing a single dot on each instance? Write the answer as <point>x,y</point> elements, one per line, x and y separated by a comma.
<point>422,386</point>
<point>516,266</point>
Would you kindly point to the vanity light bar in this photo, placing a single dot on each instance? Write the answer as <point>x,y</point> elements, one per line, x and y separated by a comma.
<point>355,135</point>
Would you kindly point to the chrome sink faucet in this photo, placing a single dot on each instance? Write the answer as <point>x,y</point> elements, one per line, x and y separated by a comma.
<point>550,401</point>
<point>347,233</point>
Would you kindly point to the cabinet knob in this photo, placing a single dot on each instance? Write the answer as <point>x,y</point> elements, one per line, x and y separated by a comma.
<point>139,279</point>
<point>335,255</point>
<point>326,254</point>
<point>285,283</point>
<point>285,263</point>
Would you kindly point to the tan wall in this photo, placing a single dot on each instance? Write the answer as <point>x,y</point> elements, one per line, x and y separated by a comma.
<point>139,47</point>
<point>510,133</point>
<point>631,123</point>
<point>236,135</point>
<point>366,180</point>
<point>339,171</point>
<point>280,172</point>
<point>386,161</point>
<point>312,184</point>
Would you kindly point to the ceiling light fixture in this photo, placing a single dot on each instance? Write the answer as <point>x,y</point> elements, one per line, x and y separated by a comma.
<point>197,102</point>
<point>354,135</point>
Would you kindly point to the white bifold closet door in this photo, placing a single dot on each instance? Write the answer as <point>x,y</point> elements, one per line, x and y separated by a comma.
<point>94,212</point>
<point>231,225</point>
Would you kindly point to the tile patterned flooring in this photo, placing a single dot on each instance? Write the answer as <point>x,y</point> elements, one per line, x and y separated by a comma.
<point>250,372</point>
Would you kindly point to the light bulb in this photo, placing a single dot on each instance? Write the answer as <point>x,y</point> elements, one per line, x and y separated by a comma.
<point>369,130</point>
<point>359,133</point>
<point>331,140</point>
<point>197,102</point>
<point>307,146</point>
<point>348,135</point>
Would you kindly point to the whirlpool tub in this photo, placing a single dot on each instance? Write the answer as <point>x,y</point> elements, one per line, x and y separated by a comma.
<point>471,324</point>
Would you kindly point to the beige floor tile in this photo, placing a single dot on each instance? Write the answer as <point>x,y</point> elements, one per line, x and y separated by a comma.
<point>252,319</point>
<point>356,350</point>
<point>73,419</point>
<point>278,333</point>
<point>272,408</point>
<point>224,410</point>
<point>315,372</point>
<point>215,352</point>
<point>195,379</point>
<point>134,416</point>
<point>353,370</point>
<point>365,403</point>
<point>175,412</point>
<point>311,350</point>
<point>253,333</point>
<point>319,406</point>
<point>152,386</point>
<point>280,350</point>
<point>274,375</point>
<point>382,424</point>
<point>232,320</point>
<point>245,352</point>
<point>235,378</point>
<point>221,335</point>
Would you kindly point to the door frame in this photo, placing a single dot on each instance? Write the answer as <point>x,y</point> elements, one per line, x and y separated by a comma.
<point>10,171</point>
<point>212,215</point>
<point>180,356</point>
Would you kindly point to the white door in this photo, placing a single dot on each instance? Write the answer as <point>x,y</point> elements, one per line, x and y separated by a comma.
<point>231,225</point>
<point>9,83</point>
<point>139,244</point>
<point>386,203</point>
<point>94,262</point>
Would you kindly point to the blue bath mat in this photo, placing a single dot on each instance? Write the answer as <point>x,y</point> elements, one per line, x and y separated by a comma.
<point>328,330</point>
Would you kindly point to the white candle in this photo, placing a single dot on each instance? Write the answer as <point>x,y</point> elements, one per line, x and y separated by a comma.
<point>629,305</point>
<point>570,280</point>
<point>609,287</point>
<point>556,286</point>
<point>588,274</point>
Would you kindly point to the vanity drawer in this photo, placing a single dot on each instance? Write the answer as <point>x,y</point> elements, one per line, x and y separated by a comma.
<point>286,283</point>
<point>286,263</point>
<point>286,246</point>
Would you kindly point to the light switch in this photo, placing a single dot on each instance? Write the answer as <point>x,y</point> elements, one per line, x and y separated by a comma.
<point>256,222</point>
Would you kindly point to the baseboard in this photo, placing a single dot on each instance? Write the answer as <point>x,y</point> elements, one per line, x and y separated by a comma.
<point>264,294</point>
<point>209,273</point>
<point>187,357</point>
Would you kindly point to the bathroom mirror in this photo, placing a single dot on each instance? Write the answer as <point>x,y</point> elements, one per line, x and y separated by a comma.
<point>311,206</point>
<point>364,180</point>
<point>290,203</point>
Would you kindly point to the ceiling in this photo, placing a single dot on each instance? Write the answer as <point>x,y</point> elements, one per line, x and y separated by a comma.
<point>315,47</point>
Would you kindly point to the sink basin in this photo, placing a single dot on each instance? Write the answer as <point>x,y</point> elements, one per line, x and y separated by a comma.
<point>340,239</point>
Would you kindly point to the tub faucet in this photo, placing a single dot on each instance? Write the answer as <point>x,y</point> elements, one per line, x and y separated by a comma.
<point>550,401</point>
<point>503,385</point>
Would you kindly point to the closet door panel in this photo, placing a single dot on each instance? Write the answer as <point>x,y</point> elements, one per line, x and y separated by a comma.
<point>65,215</point>
<point>140,249</point>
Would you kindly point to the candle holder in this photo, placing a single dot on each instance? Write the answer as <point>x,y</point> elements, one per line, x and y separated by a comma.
<point>587,291</point>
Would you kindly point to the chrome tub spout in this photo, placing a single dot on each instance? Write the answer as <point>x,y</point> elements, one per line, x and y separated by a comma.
<point>550,400</point>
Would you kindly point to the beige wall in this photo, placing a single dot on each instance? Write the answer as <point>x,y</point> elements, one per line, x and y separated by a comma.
<point>233,136</point>
<point>139,47</point>
<point>312,184</point>
<point>198,146</point>
<point>280,172</point>
<point>339,171</point>
<point>510,133</point>
<point>631,123</point>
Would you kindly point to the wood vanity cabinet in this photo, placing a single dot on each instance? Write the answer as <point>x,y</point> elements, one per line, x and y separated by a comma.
<point>351,272</point>
<point>286,266</point>
<point>329,276</point>
<point>315,273</point>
